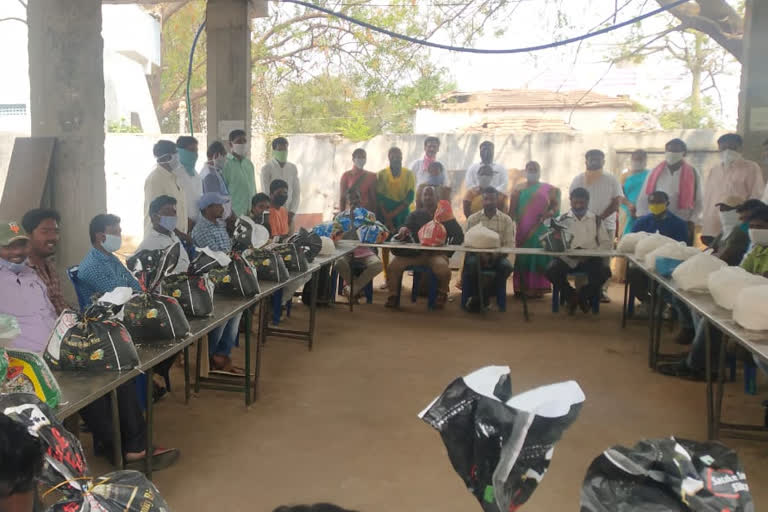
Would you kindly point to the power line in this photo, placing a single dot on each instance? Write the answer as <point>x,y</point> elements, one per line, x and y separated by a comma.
<point>462,49</point>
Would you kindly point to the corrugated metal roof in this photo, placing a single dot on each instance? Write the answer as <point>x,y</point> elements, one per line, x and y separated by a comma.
<point>509,99</point>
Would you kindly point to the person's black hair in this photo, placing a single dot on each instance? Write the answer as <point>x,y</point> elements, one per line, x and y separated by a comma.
<point>760,213</point>
<point>487,143</point>
<point>163,147</point>
<point>359,151</point>
<point>594,152</point>
<point>431,138</point>
<point>33,218</point>
<point>731,137</point>
<point>100,222</point>
<point>641,153</point>
<point>259,198</point>
<point>658,193</point>
<point>439,164</point>
<point>279,140</point>
<point>580,193</point>
<point>490,190</point>
<point>184,141</point>
<point>277,184</point>
<point>394,148</point>
<point>317,507</point>
<point>679,142</point>
<point>750,204</point>
<point>216,147</point>
<point>22,458</point>
<point>160,201</point>
<point>234,134</point>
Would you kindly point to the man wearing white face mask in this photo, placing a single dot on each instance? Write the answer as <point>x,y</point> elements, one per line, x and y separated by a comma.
<point>239,174</point>
<point>162,211</point>
<point>162,181</point>
<point>680,181</point>
<point>733,176</point>
<point>279,168</point>
<point>100,271</point>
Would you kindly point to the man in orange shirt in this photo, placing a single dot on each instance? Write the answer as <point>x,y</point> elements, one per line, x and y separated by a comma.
<point>279,224</point>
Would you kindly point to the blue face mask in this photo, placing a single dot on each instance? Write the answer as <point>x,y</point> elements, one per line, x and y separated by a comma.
<point>112,243</point>
<point>188,160</point>
<point>168,222</point>
<point>16,268</point>
<point>580,212</point>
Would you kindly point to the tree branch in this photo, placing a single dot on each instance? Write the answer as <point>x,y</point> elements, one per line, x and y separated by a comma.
<point>716,19</point>
<point>13,18</point>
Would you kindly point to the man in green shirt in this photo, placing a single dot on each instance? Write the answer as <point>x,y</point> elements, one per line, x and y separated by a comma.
<point>756,261</point>
<point>239,174</point>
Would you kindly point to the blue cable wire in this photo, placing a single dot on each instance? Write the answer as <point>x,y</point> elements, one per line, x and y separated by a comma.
<point>189,76</point>
<point>424,42</point>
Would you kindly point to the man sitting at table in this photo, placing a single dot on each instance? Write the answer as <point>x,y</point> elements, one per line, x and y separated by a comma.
<point>101,272</point>
<point>363,260</point>
<point>660,220</point>
<point>693,366</point>
<point>279,221</point>
<point>211,232</point>
<point>437,261</point>
<point>733,241</point>
<point>502,224</point>
<point>162,214</point>
<point>587,232</point>
<point>259,208</point>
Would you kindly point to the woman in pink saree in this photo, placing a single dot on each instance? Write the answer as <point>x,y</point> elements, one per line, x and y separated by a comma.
<point>530,204</point>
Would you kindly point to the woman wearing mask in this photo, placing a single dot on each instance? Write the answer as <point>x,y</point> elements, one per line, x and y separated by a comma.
<point>487,176</point>
<point>360,179</point>
<point>530,204</point>
<point>632,184</point>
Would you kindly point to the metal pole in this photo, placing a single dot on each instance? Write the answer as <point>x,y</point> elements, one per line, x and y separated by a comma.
<point>150,451</point>
<point>117,441</point>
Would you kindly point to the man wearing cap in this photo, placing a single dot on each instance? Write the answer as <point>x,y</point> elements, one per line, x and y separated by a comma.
<point>24,293</point>
<point>162,212</point>
<point>210,230</point>
<point>732,242</point>
<point>162,181</point>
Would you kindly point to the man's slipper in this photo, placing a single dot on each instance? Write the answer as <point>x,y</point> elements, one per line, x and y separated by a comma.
<point>162,458</point>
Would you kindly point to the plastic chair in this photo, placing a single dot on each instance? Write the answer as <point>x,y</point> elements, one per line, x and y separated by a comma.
<point>418,270</point>
<point>277,307</point>
<point>337,284</point>
<point>594,301</point>
<point>468,290</point>
<point>82,299</point>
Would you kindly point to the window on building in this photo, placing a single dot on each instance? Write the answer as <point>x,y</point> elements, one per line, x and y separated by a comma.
<point>13,109</point>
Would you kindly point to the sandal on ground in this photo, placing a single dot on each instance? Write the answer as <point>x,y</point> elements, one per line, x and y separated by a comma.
<point>224,365</point>
<point>161,458</point>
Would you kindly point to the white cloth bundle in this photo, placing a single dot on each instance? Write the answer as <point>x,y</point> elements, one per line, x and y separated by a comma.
<point>726,284</point>
<point>629,241</point>
<point>676,251</point>
<point>481,237</point>
<point>749,311</point>
<point>693,274</point>
<point>328,248</point>
<point>649,243</point>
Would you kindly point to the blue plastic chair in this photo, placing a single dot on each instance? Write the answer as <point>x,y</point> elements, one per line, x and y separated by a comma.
<point>277,307</point>
<point>418,271</point>
<point>468,290</point>
<point>82,299</point>
<point>593,301</point>
<point>337,284</point>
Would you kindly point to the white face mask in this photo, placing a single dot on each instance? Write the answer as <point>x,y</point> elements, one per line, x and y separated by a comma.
<point>112,243</point>
<point>219,161</point>
<point>729,220</point>
<point>239,149</point>
<point>359,163</point>
<point>673,158</point>
<point>728,156</point>
<point>171,163</point>
<point>636,166</point>
<point>759,236</point>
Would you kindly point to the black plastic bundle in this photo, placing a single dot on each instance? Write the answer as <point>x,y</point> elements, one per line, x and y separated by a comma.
<point>93,340</point>
<point>194,290</point>
<point>268,264</point>
<point>238,279</point>
<point>308,242</point>
<point>121,491</point>
<point>294,258</point>
<point>248,234</point>
<point>675,475</point>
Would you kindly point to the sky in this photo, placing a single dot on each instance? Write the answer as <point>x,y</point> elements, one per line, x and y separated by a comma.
<point>656,83</point>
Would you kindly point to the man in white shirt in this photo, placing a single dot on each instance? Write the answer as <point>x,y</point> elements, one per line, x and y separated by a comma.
<point>586,232</point>
<point>279,168</point>
<point>680,181</point>
<point>604,190</point>
<point>186,173</point>
<point>500,177</point>
<point>162,212</point>
<point>163,181</point>
<point>420,167</point>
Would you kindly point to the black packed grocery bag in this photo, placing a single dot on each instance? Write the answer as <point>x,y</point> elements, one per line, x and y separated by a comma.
<point>194,293</point>
<point>294,258</point>
<point>268,264</point>
<point>501,445</point>
<point>120,491</point>
<point>153,318</point>
<point>238,279</point>
<point>675,475</point>
<point>64,457</point>
<point>94,340</point>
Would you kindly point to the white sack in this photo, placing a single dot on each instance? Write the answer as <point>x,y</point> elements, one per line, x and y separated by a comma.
<point>481,237</point>
<point>693,274</point>
<point>749,311</point>
<point>726,284</point>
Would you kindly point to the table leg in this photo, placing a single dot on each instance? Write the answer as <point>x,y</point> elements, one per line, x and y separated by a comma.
<point>718,413</point>
<point>658,321</point>
<point>149,417</point>
<point>351,287</point>
<point>263,315</point>
<point>248,313</point>
<point>708,373</point>
<point>313,307</point>
<point>186,375</point>
<point>480,293</point>
<point>626,302</point>
<point>199,361</point>
<point>653,289</point>
<point>523,294</point>
<point>117,441</point>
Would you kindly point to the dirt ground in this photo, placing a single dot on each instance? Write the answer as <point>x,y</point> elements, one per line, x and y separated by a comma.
<point>339,423</point>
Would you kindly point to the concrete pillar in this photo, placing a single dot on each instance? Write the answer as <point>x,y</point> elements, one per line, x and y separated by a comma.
<point>753,101</point>
<point>66,76</point>
<point>229,67</point>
